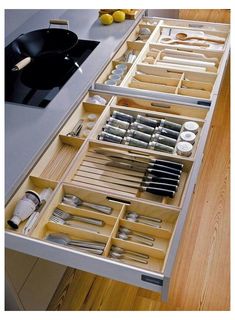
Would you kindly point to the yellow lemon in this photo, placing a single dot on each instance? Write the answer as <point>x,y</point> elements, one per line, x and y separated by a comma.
<point>127,11</point>
<point>119,16</point>
<point>106,19</point>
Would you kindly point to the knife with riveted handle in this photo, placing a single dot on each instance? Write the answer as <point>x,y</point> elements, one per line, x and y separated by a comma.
<point>162,180</point>
<point>164,168</point>
<point>160,173</point>
<point>160,185</point>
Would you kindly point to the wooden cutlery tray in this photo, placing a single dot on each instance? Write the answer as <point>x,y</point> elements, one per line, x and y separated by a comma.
<point>108,233</point>
<point>171,80</point>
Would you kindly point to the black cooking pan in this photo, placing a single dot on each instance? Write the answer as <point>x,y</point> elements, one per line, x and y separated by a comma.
<point>40,42</point>
<point>47,72</point>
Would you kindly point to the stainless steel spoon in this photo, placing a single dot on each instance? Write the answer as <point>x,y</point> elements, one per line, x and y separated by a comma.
<point>76,202</point>
<point>139,234</point>
<point>124,236</point>
<point>122,251</point>
<point>116,255</point>
<point>140,216</point>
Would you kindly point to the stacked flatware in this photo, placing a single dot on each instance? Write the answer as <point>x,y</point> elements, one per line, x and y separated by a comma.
<point>123,254</point>
<point>95,247</point>
<point>150,221</point>
<point>139,237</point>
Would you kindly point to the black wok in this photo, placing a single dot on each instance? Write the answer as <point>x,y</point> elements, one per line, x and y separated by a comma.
<point>48,41</point>
<point>47,72</point>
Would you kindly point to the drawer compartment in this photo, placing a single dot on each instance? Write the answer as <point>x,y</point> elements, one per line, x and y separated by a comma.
<point>97,169</point>
<point>196,58</point>
<point>160,106</point>
<point>190,38</point>
<point>171,80</point>
<point>108,126</point>
<point>31,183</point>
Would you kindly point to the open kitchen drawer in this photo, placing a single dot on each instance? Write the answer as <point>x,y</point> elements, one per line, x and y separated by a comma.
<point>187,71</point>
<point>86,167</point>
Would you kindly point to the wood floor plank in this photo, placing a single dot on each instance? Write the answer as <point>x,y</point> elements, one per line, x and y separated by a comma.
<point>201,276</point>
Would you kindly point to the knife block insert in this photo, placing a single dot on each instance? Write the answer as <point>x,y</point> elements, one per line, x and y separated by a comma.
<point>93,170</point>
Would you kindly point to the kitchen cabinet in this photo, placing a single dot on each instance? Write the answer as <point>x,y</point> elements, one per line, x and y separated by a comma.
<point>180,92</point>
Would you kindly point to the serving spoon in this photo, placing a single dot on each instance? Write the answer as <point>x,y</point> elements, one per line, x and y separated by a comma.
<point>183,36</point>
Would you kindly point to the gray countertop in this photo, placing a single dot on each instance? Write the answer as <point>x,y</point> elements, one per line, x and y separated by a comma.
<point>29,130</point>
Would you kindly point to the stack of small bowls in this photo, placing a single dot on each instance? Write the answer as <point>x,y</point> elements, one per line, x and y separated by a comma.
<point>116,76</point>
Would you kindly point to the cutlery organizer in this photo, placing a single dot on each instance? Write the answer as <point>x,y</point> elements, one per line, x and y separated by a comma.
<point>71,165</point>
<point>186,58</point>
<point>171,80</point>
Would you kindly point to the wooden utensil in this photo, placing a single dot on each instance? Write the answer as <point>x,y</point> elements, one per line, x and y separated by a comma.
<point>168,40</point>
<point>183,36</point>
<point>189,55</point>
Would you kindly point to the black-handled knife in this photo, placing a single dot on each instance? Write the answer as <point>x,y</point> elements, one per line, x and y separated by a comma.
<point>162,180</point>
<point>160,173</point>
<point>159,192</point>
<point>168,163</point>
<point>165,186</point>
<point>164,168</point>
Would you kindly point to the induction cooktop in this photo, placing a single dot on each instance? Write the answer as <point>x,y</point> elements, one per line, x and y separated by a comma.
<point>40,81</point>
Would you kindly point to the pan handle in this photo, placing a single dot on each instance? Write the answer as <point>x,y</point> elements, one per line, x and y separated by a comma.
<point>60,22</point>
<point>21,64</point>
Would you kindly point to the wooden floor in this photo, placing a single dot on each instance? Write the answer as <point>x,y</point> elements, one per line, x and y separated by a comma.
<point>201,277</point>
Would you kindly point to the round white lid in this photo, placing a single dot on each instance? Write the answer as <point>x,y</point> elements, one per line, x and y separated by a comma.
<point>191,126</point>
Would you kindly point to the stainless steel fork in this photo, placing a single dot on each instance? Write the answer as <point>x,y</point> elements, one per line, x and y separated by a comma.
<point>61,221</point>
<point>67,216</point>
